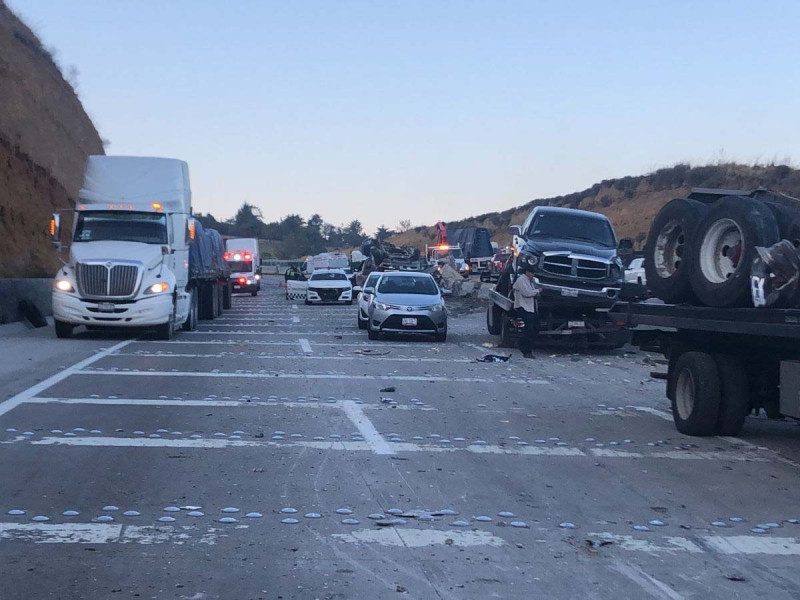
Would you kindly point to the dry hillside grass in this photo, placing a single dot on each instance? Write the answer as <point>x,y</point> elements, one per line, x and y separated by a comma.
<point>630,202</point>
<point>45,136</point>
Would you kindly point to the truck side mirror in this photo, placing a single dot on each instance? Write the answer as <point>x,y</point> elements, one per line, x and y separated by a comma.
<point>54,230</point>
<point>625,245</point>
<point>516,229</point>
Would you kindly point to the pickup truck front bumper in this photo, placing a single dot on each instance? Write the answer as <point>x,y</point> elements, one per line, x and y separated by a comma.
<point>145,312</point>
<point>607,294</point>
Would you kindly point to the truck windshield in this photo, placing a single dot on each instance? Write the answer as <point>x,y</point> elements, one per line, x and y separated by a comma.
<point>99,226</point>
<point>411,284</point>
<point>572,226</point>
<point>240,266</point>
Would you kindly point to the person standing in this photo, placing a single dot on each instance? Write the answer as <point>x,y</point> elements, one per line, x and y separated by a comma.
<point>525,308</point>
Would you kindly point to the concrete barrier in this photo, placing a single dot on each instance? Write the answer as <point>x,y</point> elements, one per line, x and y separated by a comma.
<point>33,290</point>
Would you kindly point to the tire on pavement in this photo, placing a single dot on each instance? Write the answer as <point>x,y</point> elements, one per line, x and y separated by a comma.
<point>494,316</point>
<point>373,334</point>
<point>63,330</point>
<point>734,394</point>
<point>726,246</point>
<point>506,332</point>
<point>667,251</point>
<point>695,393</point>
<point>190,324</point>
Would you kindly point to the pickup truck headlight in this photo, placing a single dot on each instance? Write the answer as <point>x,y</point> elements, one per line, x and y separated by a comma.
<point>529,259</point>
<point>157,288</point>
<point>615,272</point>
<point>63,285</point>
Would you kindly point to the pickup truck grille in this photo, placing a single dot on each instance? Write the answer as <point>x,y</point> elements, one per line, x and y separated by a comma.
<point>575,268</point>
<point>103,281</point>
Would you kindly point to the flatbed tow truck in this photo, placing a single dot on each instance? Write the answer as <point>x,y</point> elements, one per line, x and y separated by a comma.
<point>723,363</point>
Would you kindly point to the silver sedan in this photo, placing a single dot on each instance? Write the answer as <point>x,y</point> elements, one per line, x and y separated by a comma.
<point>407,303</point>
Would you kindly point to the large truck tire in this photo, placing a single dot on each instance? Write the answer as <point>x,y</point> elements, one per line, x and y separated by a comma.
<point>726,246</point>
<point>667,251</point>
<point>695,393</point>
<point>166,331</point>
<point>735,394</point>
<point>190,324</point>
<point>227,298</point>
<point>64,330</point>
<point>506,332</point>
<point>494,319</point>
<point>32,313</point>
<point>205,296</point>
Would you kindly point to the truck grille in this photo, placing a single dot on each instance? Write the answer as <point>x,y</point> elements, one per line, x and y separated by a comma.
<point>102,281</point>
<point>576,268</point>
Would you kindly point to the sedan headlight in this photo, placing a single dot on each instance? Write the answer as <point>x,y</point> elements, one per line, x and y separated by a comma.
<point>381,306</point>
<point>436,307</point>
<point>157,288</point>
<point>63,285</point>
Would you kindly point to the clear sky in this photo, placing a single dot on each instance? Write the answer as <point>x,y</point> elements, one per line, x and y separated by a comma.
<point>426,109</point>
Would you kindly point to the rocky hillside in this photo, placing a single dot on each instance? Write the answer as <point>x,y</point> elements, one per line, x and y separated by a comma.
<point>630,202</point>
<point>45,136</point>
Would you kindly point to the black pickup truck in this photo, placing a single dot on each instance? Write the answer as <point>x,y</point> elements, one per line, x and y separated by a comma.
<point>574,254</point>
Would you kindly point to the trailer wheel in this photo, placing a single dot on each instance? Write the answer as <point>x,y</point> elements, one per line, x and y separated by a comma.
<point>506,332</point>
<point>494,316</point>
<point>205,301</point>
<point>226,296</point>
<point>220,297</point>
<point>696,394</point>
<point>735,396</point>
<point>63,330</point>
<point>668,249</point>
<point>726,246</point>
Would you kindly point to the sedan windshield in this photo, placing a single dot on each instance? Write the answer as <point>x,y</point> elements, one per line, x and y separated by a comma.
<point>328,277</point>
<point>571,226</point>
<point>411,284</point>
<point>98,226</point>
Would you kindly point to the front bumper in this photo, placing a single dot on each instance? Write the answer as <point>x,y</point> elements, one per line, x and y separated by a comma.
<point>252,285</point>
<point>145,312</point>
<point>322,295</point>
<point>391,321</point>
<point>572,290</point>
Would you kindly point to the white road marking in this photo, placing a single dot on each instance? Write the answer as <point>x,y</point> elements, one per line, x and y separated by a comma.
<point>648,583</point>
<point>377,442</point>
<point>654,411</point>
<point>101,533</point>
<point>204,443</point>
<point>721,544</point>
<point>32,391</point>
<point>749,544</point>
<point>223,403</point>
<point>419,538</point>
<point>295,319</point>
<point>244,343</point>
<point>305,346</point>
<point>429,378</point>
<point>286,333</point>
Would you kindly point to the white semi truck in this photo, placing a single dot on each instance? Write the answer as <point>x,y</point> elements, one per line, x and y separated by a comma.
<point>135,258</point>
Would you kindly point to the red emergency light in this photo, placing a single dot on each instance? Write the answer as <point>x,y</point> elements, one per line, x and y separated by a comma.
<point>242,280</point>
<point>247,256</point>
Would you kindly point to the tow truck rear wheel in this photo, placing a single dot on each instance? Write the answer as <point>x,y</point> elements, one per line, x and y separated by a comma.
<point>64,330</point>
<point>695,393</point>
<point>735,396</point>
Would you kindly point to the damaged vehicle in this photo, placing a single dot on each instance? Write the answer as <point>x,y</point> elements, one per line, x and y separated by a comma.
<point>576,265</point>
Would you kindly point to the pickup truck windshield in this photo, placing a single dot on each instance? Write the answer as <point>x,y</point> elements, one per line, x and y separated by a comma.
<point>411,284</point>
<point>99,226</point>
<point>328,277</point>
<point>572,227</point>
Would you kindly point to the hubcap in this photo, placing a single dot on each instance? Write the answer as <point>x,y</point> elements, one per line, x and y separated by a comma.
<point>684,394</point>
<point>669,249</point>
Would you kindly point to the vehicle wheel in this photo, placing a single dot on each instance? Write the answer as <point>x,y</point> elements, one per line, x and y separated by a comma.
<point>227,300</point>
<point>696,393</point>
<point>254,293</point>
<point>668,249</point>
<point>191,321</point>
<point>362,323</point>
<point>350,303</point>
<point>64,330</point>
<point>166,331</point>
<point>373,334</point>
<point>735,394</point>
<point>506,332</point>
<point>205,302</point>
<point>307,303</point>
<point>726,246</point>
<point>441,337</point>
<point>494,316</point>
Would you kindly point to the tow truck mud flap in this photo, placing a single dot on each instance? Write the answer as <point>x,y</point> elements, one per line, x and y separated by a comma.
<point>296,290</point>
<point>503,302</point>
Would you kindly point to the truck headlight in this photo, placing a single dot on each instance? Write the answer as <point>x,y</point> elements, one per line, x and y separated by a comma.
<point>529,259</point>
<point>615,272</point>
<point>63,285</point>
<point>157,288</point>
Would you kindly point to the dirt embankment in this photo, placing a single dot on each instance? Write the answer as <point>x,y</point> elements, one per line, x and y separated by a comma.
<point>630,202</point>
<point>45,136</point>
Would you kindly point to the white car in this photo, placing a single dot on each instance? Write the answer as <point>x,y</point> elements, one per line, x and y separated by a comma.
<point>635,272</point>
<point>329,285</point>
<point>367,293</point>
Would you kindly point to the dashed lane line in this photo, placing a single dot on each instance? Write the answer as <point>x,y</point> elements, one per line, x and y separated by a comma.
<point>307,350</point>
<point>377,442</point>
<point>34,390</point>
<point>278,375</point>
<point>219,402</point>
<point>105,533</point>
<point>305,346</point>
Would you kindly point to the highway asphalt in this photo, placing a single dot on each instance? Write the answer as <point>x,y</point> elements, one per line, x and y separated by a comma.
<point>277,453</point>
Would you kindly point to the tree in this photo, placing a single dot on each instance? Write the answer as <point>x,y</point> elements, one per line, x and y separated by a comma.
<point>353,234</point>
<point>404,225</point>
<point>382,233</point>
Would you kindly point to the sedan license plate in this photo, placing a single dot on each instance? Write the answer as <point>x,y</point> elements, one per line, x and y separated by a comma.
<point>576,323</point>
<point>569,292</point>
<point>409,321</point>
<point>105,306</point>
